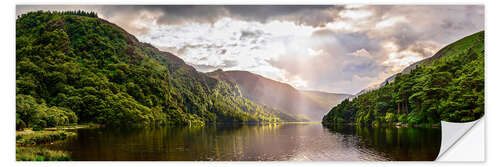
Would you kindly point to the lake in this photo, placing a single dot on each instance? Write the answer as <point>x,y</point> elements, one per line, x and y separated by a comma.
<point>273,142</point>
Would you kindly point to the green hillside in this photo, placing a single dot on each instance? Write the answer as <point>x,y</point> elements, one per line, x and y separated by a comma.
<point>73,67</point>
<point>449,86</point>
<point>282,97</point>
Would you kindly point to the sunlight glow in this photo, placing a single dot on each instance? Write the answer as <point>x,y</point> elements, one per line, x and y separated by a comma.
<point>389,22</point>
<point>312,52</point>
<point>298,82</point>
<point>282,28</point>
<point>355,14</point>
<point>340,25</point>
<point>390,46</point>
<point>400,60</point>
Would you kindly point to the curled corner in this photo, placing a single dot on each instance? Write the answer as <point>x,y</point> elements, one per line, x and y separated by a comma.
<point>451,133</point>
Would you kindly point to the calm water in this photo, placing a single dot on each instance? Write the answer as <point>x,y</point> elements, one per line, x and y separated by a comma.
<point>255,142</point>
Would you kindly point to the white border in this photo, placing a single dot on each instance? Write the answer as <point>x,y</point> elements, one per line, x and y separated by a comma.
<point>7,101</point>
<point>471,143</point>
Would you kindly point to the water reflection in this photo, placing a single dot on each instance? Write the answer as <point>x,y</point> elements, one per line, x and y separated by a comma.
<point>395,143</point>
<point>254,142</point>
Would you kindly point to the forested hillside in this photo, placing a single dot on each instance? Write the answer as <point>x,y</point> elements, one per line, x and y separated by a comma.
<point>449,86</point>
<point>303,105</point>
<point>73,67</point>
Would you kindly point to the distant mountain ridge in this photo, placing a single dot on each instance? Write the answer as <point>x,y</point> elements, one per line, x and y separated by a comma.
<point>327,100</point>
<point>310,104</point>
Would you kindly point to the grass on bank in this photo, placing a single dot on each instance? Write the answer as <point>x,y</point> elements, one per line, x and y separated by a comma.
<point>28,145</point>
<point>40,154</point>
<point>31,138</point>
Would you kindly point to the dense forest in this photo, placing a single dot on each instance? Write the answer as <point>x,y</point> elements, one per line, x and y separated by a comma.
<point>73,67</point>
<point>449,86</point>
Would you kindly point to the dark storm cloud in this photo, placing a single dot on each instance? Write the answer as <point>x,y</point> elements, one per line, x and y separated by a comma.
<point>351,41</point>
<point>441,23</point>
<point>301,14</point>
<point>454,18</point>
<point>353,54</point>
<point>175,14</point>
<point>179,14</point>
<point>245,34</point>
<point>367,68</point>
<point>404,35</point>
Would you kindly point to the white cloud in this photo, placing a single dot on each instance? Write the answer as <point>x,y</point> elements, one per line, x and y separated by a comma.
<point>365,45</point>
<point>361,53</point>
<point>328,48</point>
<point>355,14</point>
<point>251,45</point>
<point>389,22</point>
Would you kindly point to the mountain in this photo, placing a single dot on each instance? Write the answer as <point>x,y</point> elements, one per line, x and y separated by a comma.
<point>73,67</point>
<point>448,86</point>
<point>311,105</point>
<point>324,99</point>
<point>447,50</point>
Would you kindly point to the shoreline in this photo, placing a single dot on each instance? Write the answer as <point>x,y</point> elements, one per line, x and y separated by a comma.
<point>397,125</point>
<point>30,143</point>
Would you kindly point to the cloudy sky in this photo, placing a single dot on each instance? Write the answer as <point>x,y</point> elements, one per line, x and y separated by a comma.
<point>342,48</point>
